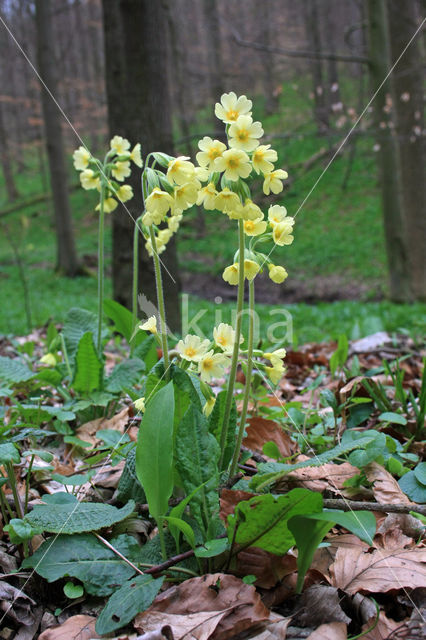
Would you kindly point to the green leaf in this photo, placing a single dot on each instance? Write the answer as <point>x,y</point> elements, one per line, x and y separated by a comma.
<point>212,548</point>
<point>414,489</point>
<point>177,525</point>
<point>84,557</point>
<point>125,374</point>
<point>216,422</point>
<point>19,531</point>
<point>154,451</point>
<point>9,453</point>
<point>121,317</point>
<point>77,517</point>
<point>197,456</point>
<point>14,370</point>
<point>72,590</point>
<point>132,598</point>
<point>395,418</point>
<point>361,523</point>
<point>308,536</point>
<point>88,367</point>
<point>339,357</point>
<point>77,323</point>
<point>162,158</point>
<point>46,456</point>
<point>262,521</point>
<point>76,480</point>
<point>271,472</point>
<point>147,351</point>
<point>420,472</point>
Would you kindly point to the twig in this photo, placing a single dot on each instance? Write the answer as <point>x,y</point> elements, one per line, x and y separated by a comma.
<point>350,505</point>
<point>120,555</point>
<point>170,562</point>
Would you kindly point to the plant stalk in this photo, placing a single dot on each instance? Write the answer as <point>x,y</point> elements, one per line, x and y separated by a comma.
<point>135,274</point>
<point>160,302</point>
<point>234,361</point>
<point>101,233</point>
<point>243,417</point>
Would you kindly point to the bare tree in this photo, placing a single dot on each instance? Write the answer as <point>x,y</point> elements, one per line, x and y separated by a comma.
<point>314,43</point>
<point>66,260</point>
<point>139,109</point>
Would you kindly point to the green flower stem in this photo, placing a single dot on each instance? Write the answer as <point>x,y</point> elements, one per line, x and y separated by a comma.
<point>135,273</point>
<point>101,261</point>
<point>12,483</point>
<point>234,361</point>
<point>234,462</point>
<point>160,302</point>
<point>162,539</point>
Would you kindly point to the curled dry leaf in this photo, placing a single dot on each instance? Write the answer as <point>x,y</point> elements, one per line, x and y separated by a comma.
<point>317,605</point>
<point>229,500</point>
<point>380,571</point>
<point>192,626</point>
<point>331,631</point>
<point>385,488</point>
<point>390,534</point>
<point>325,556</point>
<point>75,628</point>
<point>275,628</point>
<point>212,593</point>
<point>15,604</point>
<point>327,477</point>
<point>88,430</point>
<point>268,568</point>
<point>260,431</point>
<point>383,629</point>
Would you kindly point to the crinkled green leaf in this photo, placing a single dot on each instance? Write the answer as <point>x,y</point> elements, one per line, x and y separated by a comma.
<point>262,521</point>
<point>414,489</point>
<point>88,367</point>
<point>13,370</point>
<point>9,453</point>
<point>121,317</point>
<point>77,517</point>
<point>125,374</point>
<point>84,557</point>
<point>216,422</point>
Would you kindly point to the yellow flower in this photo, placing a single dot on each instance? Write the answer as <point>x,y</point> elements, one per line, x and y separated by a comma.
<point>272,181</point>
<point>180,170</point>
<point>124,193</point>
<point>231,274</point>
<point>277,274</point>
<point>192,348</point>
<point>157,204</point>
<point>275,372</point>
<point>136,155</point>
<point>109,205</point>
<point>140,404</point>
<point>276,356</point>
<point>230,107</point>
<point>120,145</point>
<point>212,365</point>
<point>254,227</point>
<point>173,223</point>
<point>81,157</point>
<point>201,174</point>
<point>227,201</point>
<point>186,194</point>
<point>235,163</point>
<point>149,325</point>
<point>282,233</point>
<point>208,407</point>
<point>251,269</point>
<point>207,197</point>
<point>121,170</point>
<point>277,213</point>
<point>89,179</point>
<point>251,211</point>
<point>263,157</point>
<point>244,133</point>
<point>164,236</point>
<point>48,359</point>
<point>210,150</point>
<point>224,337</point>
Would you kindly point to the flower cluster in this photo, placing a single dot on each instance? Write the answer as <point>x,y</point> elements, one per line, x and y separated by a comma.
<point>113,171</point>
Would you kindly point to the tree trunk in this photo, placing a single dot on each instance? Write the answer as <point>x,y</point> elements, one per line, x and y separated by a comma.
<point>214,49</point>
<point>263,16</point>
<point>6,161</point>
<point>314,42</point>
<point>66,260</point>
<point>333,89</point>
<point>139,109</point>
<point>409,114</point>
<point>389,168</point>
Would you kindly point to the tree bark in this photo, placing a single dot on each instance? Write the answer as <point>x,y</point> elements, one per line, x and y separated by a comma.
<point>314,40</point>
<point>389,168</point>
<point>139,109</point>
<point>409,115</point>
<point>6,161</point>
<point>214,49</point>
<point>66,260</point>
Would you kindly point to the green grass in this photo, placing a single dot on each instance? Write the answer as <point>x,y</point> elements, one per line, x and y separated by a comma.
<point>338,235</point>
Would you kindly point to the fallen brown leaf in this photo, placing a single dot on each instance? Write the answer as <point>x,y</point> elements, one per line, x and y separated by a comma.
<point>319,604</point>
<point>260,431</point>
<point>268,568</point>
<point>75,628</point>
<point>276,628</point>
<point>15,604</point>
<point>212,593</point>
<point>229,500</point>
<point>199,626</point>
<point>385,488</point>
<point>383,629</point>
<point>331,631</point>
<point>380,571</point>
<point>326,477</point>
<point>325,556</point>
<point>88,430</point>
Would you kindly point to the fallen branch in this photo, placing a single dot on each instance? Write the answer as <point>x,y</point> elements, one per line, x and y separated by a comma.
<point>351,505</point>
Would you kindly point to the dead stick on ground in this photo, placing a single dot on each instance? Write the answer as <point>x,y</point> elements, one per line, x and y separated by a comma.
<point>350,505</point>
